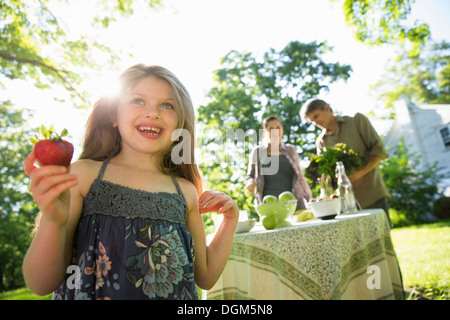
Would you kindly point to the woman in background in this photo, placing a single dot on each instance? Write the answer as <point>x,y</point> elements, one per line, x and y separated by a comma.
<point>274,167</point>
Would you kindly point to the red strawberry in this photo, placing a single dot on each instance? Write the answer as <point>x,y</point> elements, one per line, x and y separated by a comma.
<point>52,150</point>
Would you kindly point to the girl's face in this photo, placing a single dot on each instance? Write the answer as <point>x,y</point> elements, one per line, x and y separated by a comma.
<point>146,117</point>
<point>274,131</point>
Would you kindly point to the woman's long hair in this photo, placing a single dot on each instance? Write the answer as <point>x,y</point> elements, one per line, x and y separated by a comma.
<point>102,140</point>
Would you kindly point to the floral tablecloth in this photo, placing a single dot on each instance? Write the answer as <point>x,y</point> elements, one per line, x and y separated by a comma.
<point>349,257</point>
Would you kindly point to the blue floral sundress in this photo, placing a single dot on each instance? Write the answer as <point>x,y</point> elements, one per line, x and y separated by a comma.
<point>131,244</point>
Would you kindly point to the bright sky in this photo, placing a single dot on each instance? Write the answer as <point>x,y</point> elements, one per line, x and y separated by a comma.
<point>190,37</point>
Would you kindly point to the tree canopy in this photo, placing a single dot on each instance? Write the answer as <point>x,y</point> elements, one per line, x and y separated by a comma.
<point>420,76</point>
<point>379,22</point>
<point>36,45</point>
<point>421,71</point>
<point>250,87</point>
<point>17,207</point>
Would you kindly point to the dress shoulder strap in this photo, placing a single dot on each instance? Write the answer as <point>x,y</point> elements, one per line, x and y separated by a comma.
<point>177,185</point>
<point>102,169</point>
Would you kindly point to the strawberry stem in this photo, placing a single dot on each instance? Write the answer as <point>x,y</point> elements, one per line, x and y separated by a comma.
<point>49,134</point>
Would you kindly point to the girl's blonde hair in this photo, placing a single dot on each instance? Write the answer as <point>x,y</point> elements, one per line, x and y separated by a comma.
<point>102,139</point>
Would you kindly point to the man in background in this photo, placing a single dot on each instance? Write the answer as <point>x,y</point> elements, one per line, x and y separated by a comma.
<point>359,135</point>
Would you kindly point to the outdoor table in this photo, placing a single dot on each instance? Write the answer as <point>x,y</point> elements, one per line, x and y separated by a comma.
<point>348,257</point>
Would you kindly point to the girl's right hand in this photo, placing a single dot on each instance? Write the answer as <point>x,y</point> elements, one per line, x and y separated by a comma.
<point>50,189</point>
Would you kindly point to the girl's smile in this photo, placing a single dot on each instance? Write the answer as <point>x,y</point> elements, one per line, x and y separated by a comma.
<point>149,130</point>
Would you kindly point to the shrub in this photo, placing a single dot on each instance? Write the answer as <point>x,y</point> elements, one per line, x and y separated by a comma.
<point>441,208</point>
<point>412,191</point>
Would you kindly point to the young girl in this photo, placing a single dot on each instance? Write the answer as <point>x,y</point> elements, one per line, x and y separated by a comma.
<point>126,217</point>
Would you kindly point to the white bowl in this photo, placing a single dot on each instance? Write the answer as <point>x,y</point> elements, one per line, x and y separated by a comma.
<point>326,209</point>
<point>245,226</point>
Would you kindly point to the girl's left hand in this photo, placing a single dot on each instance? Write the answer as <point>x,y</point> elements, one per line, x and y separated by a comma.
<point>216,201</point>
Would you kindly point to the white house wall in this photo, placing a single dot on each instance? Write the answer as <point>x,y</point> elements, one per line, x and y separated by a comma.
<point>420,128</point>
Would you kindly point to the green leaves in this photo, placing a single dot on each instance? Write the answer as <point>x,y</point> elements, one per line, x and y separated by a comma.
<point>325,164</point>
<point>49,134</point>
<point>250,87</point>
<point>38,46</point>
<point>421,75</point>
<point>378,22</point>
<point>17,208</point>
<point>412,189</point>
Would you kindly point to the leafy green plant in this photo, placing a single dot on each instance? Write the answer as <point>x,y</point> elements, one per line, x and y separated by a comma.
<point>17,208</point>
<point>413,191</point>
<point>325,164</point>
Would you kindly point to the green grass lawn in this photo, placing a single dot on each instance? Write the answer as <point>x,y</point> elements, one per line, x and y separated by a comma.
<point>423,252</point>
<point>22,294</point>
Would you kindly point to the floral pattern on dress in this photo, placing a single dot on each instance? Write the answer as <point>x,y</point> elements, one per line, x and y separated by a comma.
<point>100,268</point>
<point>159,266</point>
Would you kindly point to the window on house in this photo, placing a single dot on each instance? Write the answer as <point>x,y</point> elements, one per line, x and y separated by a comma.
<point>445,134</point>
